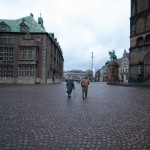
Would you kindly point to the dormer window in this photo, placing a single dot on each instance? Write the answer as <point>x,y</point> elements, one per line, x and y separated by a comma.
<point>24,27</point>
<point>4,27</point>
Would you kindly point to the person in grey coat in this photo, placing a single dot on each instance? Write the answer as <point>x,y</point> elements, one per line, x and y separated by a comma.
<point>70,86</point>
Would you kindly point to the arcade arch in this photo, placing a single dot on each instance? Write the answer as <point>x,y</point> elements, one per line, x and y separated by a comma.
<point>147,67</point>
<point>140,41</point>
<point>147,39</point>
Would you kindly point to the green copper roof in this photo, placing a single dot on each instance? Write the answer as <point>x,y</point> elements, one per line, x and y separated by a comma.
<point>34,27</point>
<point>29,21</point>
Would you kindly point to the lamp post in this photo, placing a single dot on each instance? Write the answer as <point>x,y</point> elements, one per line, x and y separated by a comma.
<point>92,67</point>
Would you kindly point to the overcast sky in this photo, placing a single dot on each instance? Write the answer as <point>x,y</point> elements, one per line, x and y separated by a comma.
<point>81,27</point>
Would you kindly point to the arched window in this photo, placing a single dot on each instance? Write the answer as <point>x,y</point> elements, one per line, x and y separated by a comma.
<point>147,40</point>
<point>140,41</point>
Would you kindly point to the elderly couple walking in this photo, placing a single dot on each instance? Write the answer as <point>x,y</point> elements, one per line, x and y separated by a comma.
<point>84,84</point>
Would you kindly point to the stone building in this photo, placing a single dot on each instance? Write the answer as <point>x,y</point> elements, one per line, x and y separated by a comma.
<point>97,76</point>
<point>29,54</point>
<point>139,41</point>
<point>75,74</point>
<point>124,67</point>
<point>104,72</point>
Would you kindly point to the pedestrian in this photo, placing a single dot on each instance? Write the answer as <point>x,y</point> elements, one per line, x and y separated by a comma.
<point>70,86</point>
<point>79,80</point>
<point>84,84</point>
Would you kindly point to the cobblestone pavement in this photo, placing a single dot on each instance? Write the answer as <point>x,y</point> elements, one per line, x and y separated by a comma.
<point>41,117</point>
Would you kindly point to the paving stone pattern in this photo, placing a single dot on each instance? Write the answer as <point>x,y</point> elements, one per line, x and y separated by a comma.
<point>41,117</point>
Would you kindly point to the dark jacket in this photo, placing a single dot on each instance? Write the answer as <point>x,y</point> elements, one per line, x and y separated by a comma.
<point>70,86</point>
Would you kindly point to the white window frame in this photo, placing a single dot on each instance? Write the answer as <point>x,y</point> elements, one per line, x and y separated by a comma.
<point>32,71</point>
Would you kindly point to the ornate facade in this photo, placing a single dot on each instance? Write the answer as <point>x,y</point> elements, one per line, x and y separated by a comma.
<point>29,54</point>
<point>139,41</point>
<point>124,67</point>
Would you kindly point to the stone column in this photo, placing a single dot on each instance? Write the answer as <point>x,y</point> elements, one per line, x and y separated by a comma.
<point>113,73</point>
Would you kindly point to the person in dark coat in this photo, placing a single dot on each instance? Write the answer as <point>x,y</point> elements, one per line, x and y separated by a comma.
<point>70,86</point>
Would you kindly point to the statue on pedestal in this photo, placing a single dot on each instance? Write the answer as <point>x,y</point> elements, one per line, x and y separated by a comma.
<point>113,69</point>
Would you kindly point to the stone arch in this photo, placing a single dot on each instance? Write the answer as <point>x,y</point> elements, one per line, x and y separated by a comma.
<point>147,39</point>
<point>147,67</point>
<point>142,5</point>
<point>148,23</point>
<point>140,41</point>
<point>140,25</point>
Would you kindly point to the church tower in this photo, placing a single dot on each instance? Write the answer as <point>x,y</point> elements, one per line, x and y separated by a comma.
<point>139,41</point>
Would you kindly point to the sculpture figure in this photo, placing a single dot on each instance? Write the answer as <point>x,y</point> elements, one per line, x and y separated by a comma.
<point>112,55</point>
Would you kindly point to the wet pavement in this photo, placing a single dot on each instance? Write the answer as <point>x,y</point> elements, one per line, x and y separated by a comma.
<point>41,117</point>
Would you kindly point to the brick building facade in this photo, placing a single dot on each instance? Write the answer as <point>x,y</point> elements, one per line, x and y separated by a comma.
<point>29,54</point>
<point>139,41</point>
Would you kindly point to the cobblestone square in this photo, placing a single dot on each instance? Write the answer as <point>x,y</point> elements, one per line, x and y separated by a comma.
<point>41,117</point>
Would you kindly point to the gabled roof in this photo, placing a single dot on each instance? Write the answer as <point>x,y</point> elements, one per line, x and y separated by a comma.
<point>29,21</point>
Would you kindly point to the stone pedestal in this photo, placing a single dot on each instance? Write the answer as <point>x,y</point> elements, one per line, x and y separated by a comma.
<point>113,73</point>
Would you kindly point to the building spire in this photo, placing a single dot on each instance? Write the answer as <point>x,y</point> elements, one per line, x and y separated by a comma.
<point>40,20</point>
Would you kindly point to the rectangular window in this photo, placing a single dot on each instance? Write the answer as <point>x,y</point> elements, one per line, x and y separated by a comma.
<point>1,39</point>
<point>38,39</point>
<point>26,71</point>
<point>20,71</point>
<point>26,52</point>
<point>6,39</point>
<point>11,39</point>
<point>1,54</point>
<point>11,56</point>
<point>9,71</point>
<point>6,71</point>
<point>21,54</point>
<point>32,55</point>
<point>6,54</point>
<point>32,71</point>
<point>1,75</point>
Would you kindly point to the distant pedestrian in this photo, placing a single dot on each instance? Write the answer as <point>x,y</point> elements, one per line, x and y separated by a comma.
<point>84,84</point>
<point>79,80</point>
<point>70,86</point>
